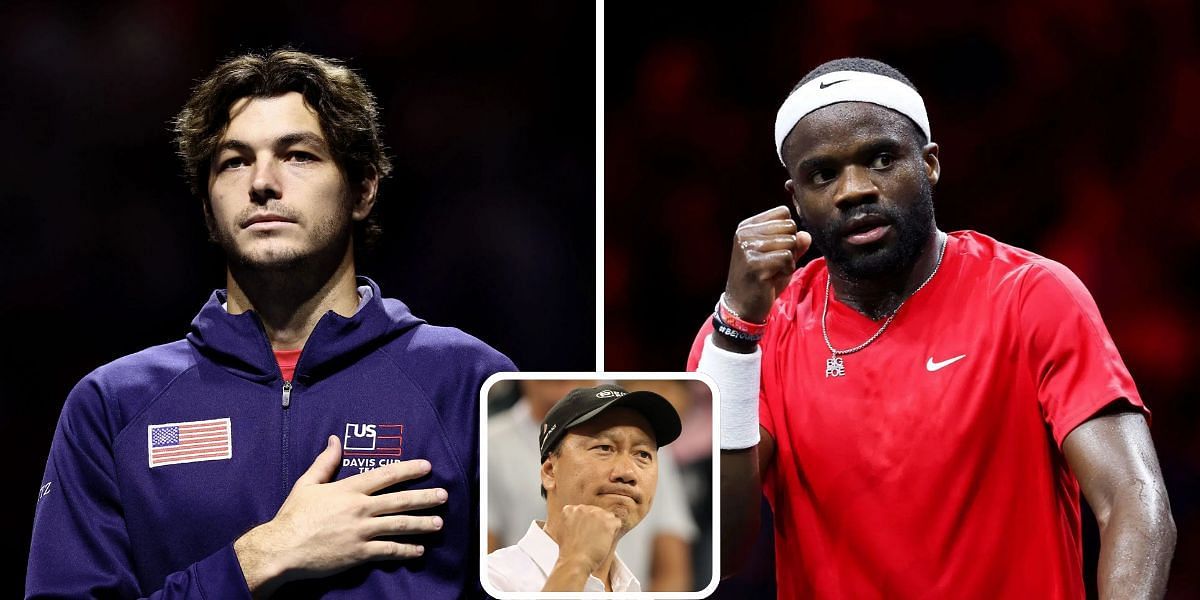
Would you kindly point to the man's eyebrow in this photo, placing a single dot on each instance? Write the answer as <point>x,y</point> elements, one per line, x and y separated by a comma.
<point>643,440</point>
<point>809,164</point>
<point>301,137</point>
<point>283,141</point>
<point>237,145</point>
<point>869,147</point>
<point>881,144</point>
<point>646,439</point>
<point>603,435</point>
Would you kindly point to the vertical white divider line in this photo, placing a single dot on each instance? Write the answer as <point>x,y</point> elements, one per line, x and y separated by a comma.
<point>599,186</point>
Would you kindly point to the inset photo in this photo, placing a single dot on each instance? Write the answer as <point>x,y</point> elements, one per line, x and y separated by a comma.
<point>598,485</point>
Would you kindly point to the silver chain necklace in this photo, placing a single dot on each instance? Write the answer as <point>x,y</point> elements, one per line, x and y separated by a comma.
<point>834,366</point>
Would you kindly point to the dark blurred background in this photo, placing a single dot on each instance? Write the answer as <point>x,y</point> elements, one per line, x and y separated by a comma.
<point>1068,127</point>
<point>488,220</point>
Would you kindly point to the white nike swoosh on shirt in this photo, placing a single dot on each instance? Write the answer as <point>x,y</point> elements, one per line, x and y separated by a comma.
<point>935,366</point>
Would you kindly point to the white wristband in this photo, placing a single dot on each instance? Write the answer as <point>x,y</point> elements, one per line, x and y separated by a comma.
<point>737,376</point>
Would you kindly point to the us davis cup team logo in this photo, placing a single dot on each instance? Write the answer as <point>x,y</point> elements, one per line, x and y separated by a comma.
<point>372,445</point>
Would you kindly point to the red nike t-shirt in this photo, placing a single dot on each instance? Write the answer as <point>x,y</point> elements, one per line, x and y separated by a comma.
<point>933,468</point>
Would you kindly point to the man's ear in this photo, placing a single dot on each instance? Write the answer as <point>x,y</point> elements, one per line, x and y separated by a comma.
<point>209,221</point>
<point>364,201</point>
<point>933,165</point>
<point>547,474</point>
<point>794,192</point>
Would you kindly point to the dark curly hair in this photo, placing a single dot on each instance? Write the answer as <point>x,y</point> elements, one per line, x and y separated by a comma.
<point>345,107</point>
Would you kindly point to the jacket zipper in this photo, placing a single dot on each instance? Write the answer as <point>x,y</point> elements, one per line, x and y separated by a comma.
<point>287,402</point>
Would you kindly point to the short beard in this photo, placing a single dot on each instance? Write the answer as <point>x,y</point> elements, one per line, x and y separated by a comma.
<point>276,262</point>
<point>913,230</point>
<point>333,242</point>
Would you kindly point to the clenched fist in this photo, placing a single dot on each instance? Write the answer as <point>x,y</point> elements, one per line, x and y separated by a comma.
<point>586,536</point>
<point>765,249</point>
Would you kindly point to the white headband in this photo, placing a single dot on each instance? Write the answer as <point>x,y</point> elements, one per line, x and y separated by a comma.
<point>848,86</point>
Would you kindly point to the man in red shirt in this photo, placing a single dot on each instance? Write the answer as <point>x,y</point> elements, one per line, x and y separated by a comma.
<point>921,409</point>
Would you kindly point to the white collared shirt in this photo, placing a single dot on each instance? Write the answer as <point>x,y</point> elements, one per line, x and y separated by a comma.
<point>526,566</point>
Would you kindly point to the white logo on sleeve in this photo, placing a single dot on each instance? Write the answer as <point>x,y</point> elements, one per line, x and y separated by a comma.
<point>937,366</point>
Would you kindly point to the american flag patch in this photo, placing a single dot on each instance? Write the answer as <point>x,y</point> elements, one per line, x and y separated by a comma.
<point>383,439</point>
<point>193,441</point>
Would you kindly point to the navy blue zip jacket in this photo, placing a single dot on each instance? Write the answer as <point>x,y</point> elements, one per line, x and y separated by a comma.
<point>139,500</point>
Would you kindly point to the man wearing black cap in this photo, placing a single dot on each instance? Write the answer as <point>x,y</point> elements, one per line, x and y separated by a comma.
<point>599,451</point>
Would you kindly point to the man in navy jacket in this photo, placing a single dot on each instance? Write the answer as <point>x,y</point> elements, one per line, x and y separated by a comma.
<point>309,436</point>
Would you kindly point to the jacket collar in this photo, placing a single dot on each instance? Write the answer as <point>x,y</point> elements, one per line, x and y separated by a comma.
<point>239,342</point>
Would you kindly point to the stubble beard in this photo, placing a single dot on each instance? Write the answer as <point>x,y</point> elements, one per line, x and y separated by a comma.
<point>329,240</point>
<point>913,230</point>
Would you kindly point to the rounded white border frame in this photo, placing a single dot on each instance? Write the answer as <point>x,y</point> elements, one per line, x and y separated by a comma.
<point>714,576</point>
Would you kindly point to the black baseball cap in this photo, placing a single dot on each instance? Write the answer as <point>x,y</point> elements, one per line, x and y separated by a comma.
<point>580,405</point>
